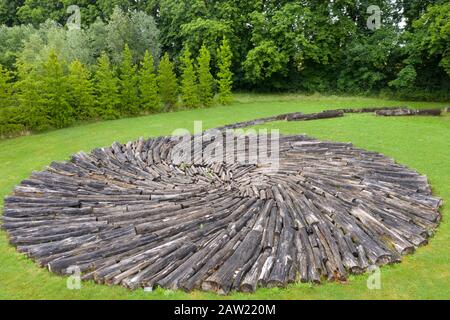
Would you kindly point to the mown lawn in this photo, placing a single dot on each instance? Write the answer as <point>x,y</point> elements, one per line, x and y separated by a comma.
<point>423,143</point>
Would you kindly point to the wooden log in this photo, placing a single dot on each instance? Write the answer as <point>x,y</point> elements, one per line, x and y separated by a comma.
<point>395,112</point>
<point>429,112</point>
<point>316,116</point>
<point>409,112</point>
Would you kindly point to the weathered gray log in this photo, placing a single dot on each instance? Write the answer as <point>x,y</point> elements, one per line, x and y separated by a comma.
<point>409,112</point>
<point>316,116</point>
<point>395,112</point>
<point>298,116</point>
<point>429,112</point>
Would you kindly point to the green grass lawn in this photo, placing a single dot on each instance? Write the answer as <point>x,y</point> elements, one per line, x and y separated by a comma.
<point>423,143</point>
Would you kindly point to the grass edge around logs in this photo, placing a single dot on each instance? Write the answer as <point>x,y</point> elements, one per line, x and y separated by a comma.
<point>422,143</point>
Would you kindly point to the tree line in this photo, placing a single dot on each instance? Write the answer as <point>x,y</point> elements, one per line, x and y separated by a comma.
<point>55,94</point>
<point>280,45</point>
<point>275,45</point>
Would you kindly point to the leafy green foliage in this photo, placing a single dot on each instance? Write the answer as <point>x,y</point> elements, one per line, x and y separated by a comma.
<point>405,78</point>
<point>12,41</point>
<point>263,61</point>
<point>225,76</point>
<point>189,86</point>
<point>136,29</point>
<point>201,31</point>
<point>431,35</point>
<point>36,11</point>
<point>311,46</point>
<point>148,86</point>
<point>277,45</point>
<point>8,12</point>
<point>367,62</point>
<point>414,9</point>
<point>167,82</point>
<point>205,78</point>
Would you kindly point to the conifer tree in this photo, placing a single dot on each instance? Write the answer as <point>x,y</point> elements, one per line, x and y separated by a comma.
<point>148,85</point>
<point>225,76</point>
<point>205,78</point>
<point>54,89</point>
<point>6,98</point>
<point>167,82</point>
<point>29,98</point>
<point>129,99</point>
<point>106,89</point>
<point>189,86</point>
<point>81,91</point>
<point>10,112</point>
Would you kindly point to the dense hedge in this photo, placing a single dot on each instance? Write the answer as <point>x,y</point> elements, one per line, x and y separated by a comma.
<point>54,94</point>
<point>273,45</point>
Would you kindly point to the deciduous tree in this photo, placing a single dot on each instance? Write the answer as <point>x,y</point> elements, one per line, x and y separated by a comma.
<point>137,29</point>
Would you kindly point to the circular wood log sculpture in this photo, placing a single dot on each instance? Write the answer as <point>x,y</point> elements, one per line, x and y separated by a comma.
<point>136,215</point>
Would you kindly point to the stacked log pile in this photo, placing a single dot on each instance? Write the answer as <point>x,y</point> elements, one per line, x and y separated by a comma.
<point>327,114</point>
<point>408,112</point>
<point>370,109</point>
<point>429,112</point>
<point>135,215</point>
<point>316,116</point>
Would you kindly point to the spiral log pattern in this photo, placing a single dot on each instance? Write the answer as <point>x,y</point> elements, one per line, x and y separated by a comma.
<point>136,215</point>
